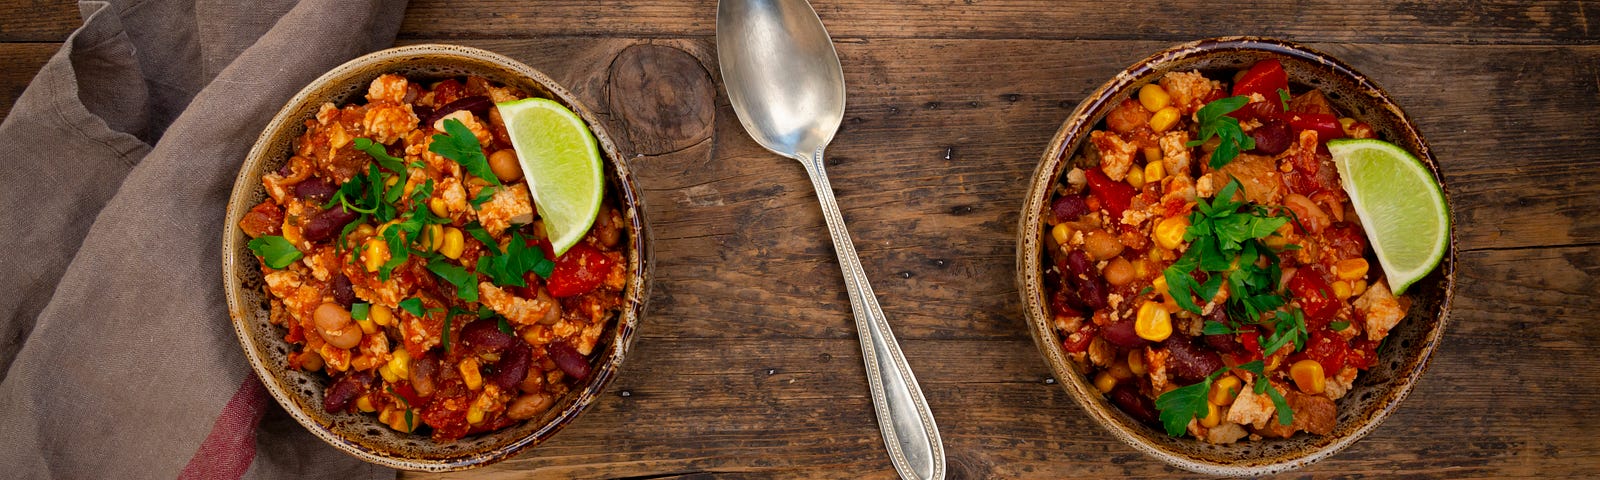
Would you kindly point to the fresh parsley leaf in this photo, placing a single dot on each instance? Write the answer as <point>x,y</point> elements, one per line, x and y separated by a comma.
<point>1283,98</point>
<point>1290,329</point>
<point>519,259</point>
<point>477,231</point>
<point>483,197</point>
<point>274,250</point>
<point>1338,326</point>
<point>1215,122</point>
<point>380,154</point>
<point>413,305</point>
<point>1182,404</point>
<point>1217,328</point>
<point>1285,414</point>
<point>485,312</point>
<point>466,282</point>
<point>504,327</point>
<point>459,144</point>
<point>360,310</point>
<point>444,335</point>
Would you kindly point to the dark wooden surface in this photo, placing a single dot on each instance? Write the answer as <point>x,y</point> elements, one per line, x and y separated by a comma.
<point>747,364</point>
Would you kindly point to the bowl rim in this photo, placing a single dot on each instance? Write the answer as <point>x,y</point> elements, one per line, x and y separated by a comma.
<point>1030,244</point>
<point>635,294</point>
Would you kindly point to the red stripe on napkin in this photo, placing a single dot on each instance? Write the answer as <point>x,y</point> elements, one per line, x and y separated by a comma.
<point>228,450</point>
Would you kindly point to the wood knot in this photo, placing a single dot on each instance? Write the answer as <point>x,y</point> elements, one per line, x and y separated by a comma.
<point>664,97</point>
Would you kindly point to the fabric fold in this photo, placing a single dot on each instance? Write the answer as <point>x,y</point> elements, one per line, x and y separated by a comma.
<point>125,361</point>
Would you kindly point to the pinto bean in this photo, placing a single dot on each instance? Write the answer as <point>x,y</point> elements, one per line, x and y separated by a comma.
<point>526,406</point>
<point>1101,245</point>
<point>1118,272</point>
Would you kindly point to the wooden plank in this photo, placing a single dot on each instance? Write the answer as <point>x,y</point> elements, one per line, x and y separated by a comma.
<point>798,408</point>
<point>22,61</point>
<point>38,20</point>
<point>1456,21</point>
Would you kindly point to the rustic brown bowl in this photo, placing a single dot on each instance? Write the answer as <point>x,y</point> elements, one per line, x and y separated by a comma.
<point>300,392</point>
<point>1376,392</point>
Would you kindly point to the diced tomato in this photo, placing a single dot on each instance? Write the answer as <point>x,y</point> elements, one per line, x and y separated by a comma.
<point>1327,126</point>
<point>1316,299</point>
<point>404,390</point>
<point>1266,77</point>
<point>1329,349</point>
<point>1114,195</point>
<point>1251,338</point>
<point>1363,353</point>
<point>266,218</point>
<point>1345,239</point>
<point>578,271</point>
<point>1078,342</point>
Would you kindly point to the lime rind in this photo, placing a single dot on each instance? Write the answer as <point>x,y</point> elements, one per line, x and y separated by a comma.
<point>561,161</point>
<point>1401,205</point>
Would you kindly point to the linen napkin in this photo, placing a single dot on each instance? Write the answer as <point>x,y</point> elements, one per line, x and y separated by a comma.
<point>117,354</point>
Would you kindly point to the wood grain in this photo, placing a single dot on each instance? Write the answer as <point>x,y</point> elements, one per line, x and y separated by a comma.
<point>747,364</point>
<point>22,61</point>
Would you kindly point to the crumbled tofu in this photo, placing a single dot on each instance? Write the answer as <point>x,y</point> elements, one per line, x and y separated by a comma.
<point>1116,155</point>
<point>1338,385</point>
<point>1101,352</point>
<point>1251,409</point>
<point>1175,154</point>
<point>518,310</point>
<point>509,205</point>
<point>388,87</point>
<point>1381,309</point>
<point>1257,174</point>
<point>1155,364</point>
<point>1189,90</point>
<point>472,123</point>
<point>1225,433</point>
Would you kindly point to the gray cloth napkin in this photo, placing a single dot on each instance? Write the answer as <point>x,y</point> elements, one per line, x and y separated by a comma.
<point>117,354</point>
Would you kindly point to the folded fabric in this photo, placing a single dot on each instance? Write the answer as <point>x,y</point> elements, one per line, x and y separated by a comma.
<point>118,356</point>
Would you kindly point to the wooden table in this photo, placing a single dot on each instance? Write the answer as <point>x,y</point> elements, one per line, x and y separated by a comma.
<point>748,365</point>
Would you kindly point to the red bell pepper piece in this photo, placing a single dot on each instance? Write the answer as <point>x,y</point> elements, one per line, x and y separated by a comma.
<point>1114,195</point>
<point>578,271</point>
<point>1327,126</point>
<point>1266,77</point>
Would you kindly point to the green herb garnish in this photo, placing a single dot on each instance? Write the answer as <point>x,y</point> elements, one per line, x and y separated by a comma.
<point>1225,244</point>
<point>466,282</point>
<point>504,327</point>
<point>483,197</point>
<point>1338,326</point>
<point>274,250</point>
<point>1182,404</point>
<point>1283,97</point>
<point>380,154</point>
<point>459,144</point>
<point>519,259</point>
<point>1215,122</point>
<point>360,310</point>
<point>413,305</point>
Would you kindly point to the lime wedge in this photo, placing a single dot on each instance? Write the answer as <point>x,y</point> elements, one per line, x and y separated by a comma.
<point>561,161</point>
<point>1401,206</point>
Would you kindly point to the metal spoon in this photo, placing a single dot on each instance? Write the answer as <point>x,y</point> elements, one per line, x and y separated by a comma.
<point>784,80</point>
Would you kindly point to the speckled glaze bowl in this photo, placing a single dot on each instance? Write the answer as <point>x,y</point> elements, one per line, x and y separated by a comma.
<point>1376,393</point>
<point>300,392</point>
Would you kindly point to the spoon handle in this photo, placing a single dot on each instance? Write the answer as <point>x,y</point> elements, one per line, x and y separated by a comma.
<point>903,415</point>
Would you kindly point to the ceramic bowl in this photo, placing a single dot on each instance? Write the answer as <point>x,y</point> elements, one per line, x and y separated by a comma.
<point>300,393</point>
<point>1376,392</point>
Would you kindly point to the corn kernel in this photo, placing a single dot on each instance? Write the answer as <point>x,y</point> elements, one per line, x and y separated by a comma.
<point>453,243</point>
<point>388,374</point>
<point>1275,241</point>
<point>1061,232</point>
<point>434,236</point>
<point>1153,322</point>
<point>1164,119</point>
<point>1153,97</point>
<point>1213,416</point>
<point>1136,363</point>
<point>1224,390</point>
<point>1360,287</point>
<point>474,415</point>
<point>375,255</point>
<point>1104,382</point>
<point>400,363</point>
<point>1141,268</point>
<point>1154,172</point>
<point>390,180</point>
<point>1136,177</point>
<point>470,374</point>
<point>1159,284</point>
<point>381,315</point>
<point>1152,154</point>
<point>436,204</point>
<point>364,230</point>
<point>365,404</point>
<point>399,419</point>
<point>1169,233</point>
<point>1352,269</point>
<point>1341,289</point>
<point>1345,123</point>
<point>367,327</point>
<point>1307,375</point>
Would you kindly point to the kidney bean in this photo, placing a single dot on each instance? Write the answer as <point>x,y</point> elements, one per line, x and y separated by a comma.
<point>342,291</point>
<point>1126,397</point>
<point>1225,343</point>
<point>1068,208</point>
<point>327,224</point>
<point>569,360</point>
<point>1122,334</point>
<point>1272,137</point>
<point>315,189</point>
<point>1094,293</point>
<point>478,104</point>
<point>1066,303</point>
<point>485,336</point>
<point>1079,265</point>
<point>1190,362</point>
<point>512,367</point>
<point>423,370</point>
<point>344,391</point>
